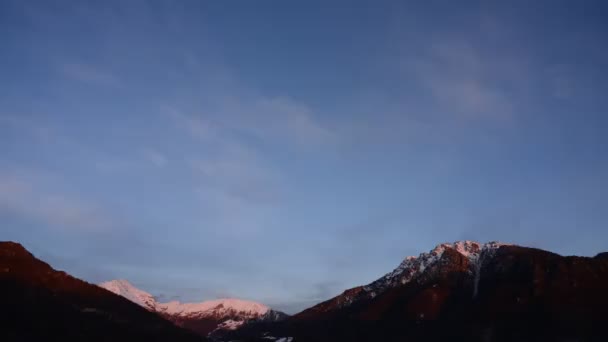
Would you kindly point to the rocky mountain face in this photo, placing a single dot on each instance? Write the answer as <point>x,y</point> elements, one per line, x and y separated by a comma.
<point>205,318</point>
<point>414,268</point>
<point>39,303</point>
<point>463,291</point>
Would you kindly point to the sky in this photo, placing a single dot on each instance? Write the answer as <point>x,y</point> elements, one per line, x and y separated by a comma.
<point>284,151</point>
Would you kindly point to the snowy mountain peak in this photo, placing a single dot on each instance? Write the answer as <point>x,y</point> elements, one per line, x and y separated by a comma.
<point>219,307</point>
<point>470,249</point>
<point>125,289</point>
<point>413,266</point>
<point>228,313</point>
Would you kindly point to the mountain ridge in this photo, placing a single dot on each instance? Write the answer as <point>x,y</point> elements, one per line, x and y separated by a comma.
<point>463,291</point>
<point>407,270</point>
<point>42,303</point>
<point>202,317</point>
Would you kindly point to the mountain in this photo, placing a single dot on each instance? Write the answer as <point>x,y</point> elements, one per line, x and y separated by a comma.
<point>209,317</point>
<point>40,303</point>
<point>125,289</point>
<point>410,268</point>
<point>463,291</point>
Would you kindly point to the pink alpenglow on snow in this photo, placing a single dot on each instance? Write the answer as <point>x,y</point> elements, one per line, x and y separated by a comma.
<point>229,313</point>
<point>123,288</point>
<point>225,306</point>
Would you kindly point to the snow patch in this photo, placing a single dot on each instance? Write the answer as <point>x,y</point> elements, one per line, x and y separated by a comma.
<point>229,325</point>
<point>219,307</point>
<point>236,311</point>
<point>413,266</point>
<point>125,289</point>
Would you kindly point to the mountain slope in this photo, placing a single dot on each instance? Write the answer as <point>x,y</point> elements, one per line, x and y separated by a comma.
<point>125,289</point>
<point>203,318</point>
<point>465,291</point>
<point>409,269</point>
<point>40,303</point>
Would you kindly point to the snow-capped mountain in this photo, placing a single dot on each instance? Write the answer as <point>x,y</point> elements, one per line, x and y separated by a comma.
<point>413,266</point>
<point>123,288</point>
<point>40,303</point>
<point>204,317</point>
<point>463,291</point>
<point>410,269</point>
<point>228,307</point>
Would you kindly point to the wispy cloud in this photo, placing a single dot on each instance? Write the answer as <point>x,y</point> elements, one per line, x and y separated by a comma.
<point>286,119</point>
<point>271,119</point>
<point>463,79</point>
<point>37,129</point>
<point>155,157</point>
<point>221,103</point>
<point>195,125</point>
<point>241,174</point>
<point>26,200</point>
<point>238,188</point>
<point>91,74</point>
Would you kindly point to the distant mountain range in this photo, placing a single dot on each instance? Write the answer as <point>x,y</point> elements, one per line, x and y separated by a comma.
<point>209,317</point>
<point>39,303</point>
<point>461,291</point>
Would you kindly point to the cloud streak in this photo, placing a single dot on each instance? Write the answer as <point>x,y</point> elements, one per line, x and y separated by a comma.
<point>238,188</point>
<point>155,157</point>
<point>286,119</point>
<point>26,200</point>
<point>463,79</point>
<point>90,74</point>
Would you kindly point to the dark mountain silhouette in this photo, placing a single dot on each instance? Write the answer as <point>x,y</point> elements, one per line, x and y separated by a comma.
<point>43,304</point>
<point>463,292</point>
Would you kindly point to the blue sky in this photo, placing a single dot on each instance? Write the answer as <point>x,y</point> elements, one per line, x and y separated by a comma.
<point>282,152</point>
